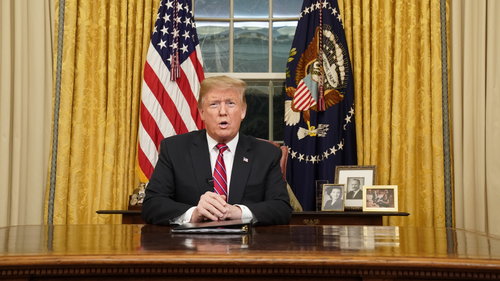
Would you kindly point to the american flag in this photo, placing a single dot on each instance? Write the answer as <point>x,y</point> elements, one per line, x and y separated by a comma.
<point>172,75</point>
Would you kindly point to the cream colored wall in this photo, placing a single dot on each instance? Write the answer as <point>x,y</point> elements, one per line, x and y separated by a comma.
<point>25,108</point>
<point>475,88</point>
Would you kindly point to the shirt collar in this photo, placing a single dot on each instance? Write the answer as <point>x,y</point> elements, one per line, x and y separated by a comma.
<point>231,144</point>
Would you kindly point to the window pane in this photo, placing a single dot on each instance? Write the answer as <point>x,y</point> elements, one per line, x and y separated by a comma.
<point>283,33</point>
<point>256,122</point>
<point>251,8</point>
<point>251,46</point>
<point>214,44</point>
<point>286,8</point>
<point>211,8</point>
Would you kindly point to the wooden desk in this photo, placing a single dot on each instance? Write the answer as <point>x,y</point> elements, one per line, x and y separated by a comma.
<point>341,218</point>
<point>298,218</point>
<point>133,252</point>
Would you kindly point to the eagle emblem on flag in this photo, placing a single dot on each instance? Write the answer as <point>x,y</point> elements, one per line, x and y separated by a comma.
<point>329,67</point>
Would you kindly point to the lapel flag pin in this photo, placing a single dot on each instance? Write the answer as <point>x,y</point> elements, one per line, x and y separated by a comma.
<point>245,159</point>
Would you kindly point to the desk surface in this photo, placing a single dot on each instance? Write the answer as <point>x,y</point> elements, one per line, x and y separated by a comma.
<point>303,252</point>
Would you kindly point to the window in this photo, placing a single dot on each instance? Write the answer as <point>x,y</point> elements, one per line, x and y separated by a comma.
<point>250,39</point>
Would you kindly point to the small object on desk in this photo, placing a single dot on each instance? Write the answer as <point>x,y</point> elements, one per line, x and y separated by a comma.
<point>219,227</point>
<point>137,197</point>
<point>380,198</point>
<point>319,193</point>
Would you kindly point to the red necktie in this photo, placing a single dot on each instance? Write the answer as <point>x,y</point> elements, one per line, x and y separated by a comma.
<point>220,178</point>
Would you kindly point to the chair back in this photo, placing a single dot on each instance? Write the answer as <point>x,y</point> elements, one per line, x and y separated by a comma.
<point>284,156</point>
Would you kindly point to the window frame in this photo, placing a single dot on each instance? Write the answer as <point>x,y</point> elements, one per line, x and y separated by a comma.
<point>274,78</point>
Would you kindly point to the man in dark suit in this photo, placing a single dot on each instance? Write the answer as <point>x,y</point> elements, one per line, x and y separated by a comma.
<point>181,188</point>
<point>354,190</point>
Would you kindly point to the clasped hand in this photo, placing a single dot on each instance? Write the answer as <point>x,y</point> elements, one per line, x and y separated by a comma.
<point>214,207</point>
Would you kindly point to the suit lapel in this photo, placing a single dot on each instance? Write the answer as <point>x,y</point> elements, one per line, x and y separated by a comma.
<point>241,169</point>
<point>200,158</point>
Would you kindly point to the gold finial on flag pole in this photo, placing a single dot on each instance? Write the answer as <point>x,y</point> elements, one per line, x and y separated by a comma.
<point>174,56</point>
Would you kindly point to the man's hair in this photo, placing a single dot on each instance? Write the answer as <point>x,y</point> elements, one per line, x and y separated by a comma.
<point>222,82</point>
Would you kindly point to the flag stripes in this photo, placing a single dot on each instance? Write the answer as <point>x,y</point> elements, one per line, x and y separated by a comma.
<point>303,99</point>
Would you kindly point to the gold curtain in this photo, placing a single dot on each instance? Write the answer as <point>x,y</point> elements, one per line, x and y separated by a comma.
<point>395,49</point>
<point>103,46</point>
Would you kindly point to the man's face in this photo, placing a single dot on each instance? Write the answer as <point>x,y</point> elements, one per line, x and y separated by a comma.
<point>222,111</point>
<point>355,185</point>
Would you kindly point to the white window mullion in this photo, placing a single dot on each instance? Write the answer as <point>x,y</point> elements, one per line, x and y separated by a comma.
<point>250,75</point>
<point>270,40</point>
<point>231,36</point>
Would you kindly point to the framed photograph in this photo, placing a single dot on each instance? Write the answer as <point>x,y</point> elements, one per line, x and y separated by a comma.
<point>354,178</point>
<point>380,198</point>
<point>333,197</point>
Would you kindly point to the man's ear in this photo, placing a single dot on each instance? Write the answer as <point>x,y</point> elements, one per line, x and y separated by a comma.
<point>244,112</point>
<point>202,113</point>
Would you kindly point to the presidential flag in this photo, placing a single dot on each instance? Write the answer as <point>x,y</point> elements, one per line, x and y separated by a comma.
<point>172,75</point>
<point>319,101</point>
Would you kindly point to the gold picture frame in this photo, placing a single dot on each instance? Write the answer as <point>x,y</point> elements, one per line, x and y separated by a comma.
<point>333,197</point>
<point>380,198</point>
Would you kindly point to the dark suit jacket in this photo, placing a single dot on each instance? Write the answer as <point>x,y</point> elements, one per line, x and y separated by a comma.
<point>183,173</point>
<point>350,195</point>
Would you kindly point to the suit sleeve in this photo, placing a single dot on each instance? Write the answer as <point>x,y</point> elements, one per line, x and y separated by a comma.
<point>159,206</point>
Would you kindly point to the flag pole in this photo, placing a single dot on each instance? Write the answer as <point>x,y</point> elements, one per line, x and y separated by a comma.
<point>321,92</point>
